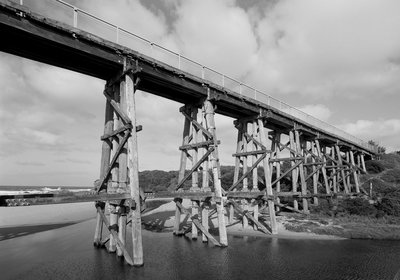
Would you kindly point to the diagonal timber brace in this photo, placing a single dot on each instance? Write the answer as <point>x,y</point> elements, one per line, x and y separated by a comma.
<point>197,223</point>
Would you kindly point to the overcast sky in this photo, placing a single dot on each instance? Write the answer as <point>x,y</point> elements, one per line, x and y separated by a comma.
<point>338,60</point>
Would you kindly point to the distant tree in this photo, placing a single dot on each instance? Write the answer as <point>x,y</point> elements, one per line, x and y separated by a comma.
<point>380,149</point>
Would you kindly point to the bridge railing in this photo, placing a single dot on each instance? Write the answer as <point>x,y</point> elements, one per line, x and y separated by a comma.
<point>71,15</point>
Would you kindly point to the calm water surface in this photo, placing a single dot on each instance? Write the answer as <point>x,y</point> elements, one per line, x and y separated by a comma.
<point>67,253</point>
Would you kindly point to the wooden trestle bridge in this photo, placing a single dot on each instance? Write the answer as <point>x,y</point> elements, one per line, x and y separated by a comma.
<point>319,162</point>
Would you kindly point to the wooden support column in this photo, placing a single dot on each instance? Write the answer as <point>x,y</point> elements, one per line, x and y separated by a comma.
<point>277,139</point>
<point>301,171</point>
<point>112,246</point>
<point>334,172</point>
<point>254,158</point>
<point>105,161</point>
<point>231,213</point>
<point>267,174</point>
<point>122,228</point>
<point>195,136</point>
<point>363,163</point>
<point>348,173</point>
<point>321,155</point>
<point>239,149</point>
<point>182,168</point>
<point>114,210</point>
<point>245,206</point>
<point>244,149</point>
<point>255,213</point>
<point>195,213</point>
<point>204,219</point>
<point>133,174</point>
<point>343,175</point>
<point>177,224</point>
<point>294,171</point>
<point>355,173</point>
<point>209,114</point>
<point>315,175</point>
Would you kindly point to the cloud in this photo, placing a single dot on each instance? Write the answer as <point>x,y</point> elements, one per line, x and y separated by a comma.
<point>325,48</point>
<point>218,34</point>
<point>318,111</point>
<point>386,131</point>
<point>30,163</point>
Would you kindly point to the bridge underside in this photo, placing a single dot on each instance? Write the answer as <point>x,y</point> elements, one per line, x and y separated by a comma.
<point>280,162</point>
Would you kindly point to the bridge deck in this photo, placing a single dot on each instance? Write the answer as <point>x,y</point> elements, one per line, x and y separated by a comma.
<point>38,38</point>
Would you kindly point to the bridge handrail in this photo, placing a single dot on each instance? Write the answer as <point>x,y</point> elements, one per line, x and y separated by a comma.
<point>186,64</point>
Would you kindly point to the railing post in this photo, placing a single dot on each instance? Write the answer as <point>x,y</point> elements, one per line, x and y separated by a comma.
<point>223,80</point>
<point>179,61</point>
<point>117,40</point>
<point>75,17</point>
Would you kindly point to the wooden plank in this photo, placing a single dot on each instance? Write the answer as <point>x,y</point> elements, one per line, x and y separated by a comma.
<point>195,220</point>
<point>125,252</point>
<point>251,153</point>
<point>197,145</point>
<point>287,159</point>
<point>120,130</point>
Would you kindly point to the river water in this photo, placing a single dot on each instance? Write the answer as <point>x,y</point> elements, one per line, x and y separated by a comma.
<point>67,253</point>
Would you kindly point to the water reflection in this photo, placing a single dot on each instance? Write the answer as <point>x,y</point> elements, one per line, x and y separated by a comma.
<point>67,253</point>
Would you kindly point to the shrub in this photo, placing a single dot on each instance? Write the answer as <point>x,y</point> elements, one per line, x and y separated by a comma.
<point>357,206</point>
<point>323,207</point>
<point>392,176</point>
<point>389,206</point>
<point>374,166</point>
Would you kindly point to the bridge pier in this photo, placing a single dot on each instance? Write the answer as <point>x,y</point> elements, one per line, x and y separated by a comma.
<point>199,137</point>
<point>252,142</point>
<point>119,165</point>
